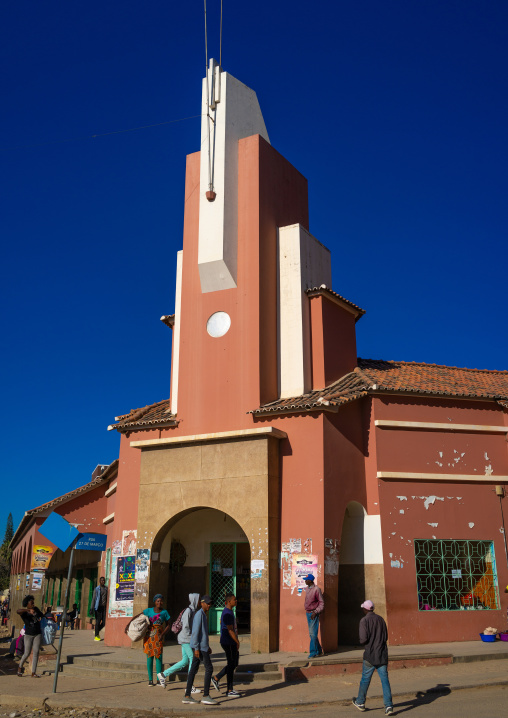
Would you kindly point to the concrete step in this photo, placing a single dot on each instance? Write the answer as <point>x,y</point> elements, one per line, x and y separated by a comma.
<point>137,672</point>
<point>104,663</point>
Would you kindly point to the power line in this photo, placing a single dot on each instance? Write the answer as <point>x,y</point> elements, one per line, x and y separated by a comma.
<point>101,134</point>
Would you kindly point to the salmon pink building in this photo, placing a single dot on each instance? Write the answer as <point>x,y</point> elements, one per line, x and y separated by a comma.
<point>279,451</point>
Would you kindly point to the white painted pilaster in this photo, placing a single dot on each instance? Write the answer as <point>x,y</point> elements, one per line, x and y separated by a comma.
<point>303,263</point>
<point>175,369</point>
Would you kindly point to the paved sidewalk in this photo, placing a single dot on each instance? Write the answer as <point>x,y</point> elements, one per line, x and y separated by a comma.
<point>81,643</point>
<point>86,693</point>
<point>74,692</point>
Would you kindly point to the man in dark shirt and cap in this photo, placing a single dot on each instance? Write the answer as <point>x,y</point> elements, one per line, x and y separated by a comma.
<point>373,635</point>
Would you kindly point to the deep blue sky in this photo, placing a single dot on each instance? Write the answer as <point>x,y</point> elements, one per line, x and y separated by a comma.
<point>395,111</point>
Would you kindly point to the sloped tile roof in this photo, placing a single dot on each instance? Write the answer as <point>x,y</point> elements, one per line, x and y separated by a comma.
<point>157,414</point>
<point>108,473</point>
<point>374,375</point>
<point>326,291</point>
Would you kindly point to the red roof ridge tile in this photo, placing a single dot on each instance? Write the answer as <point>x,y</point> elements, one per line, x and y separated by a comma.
<point>436,366</point>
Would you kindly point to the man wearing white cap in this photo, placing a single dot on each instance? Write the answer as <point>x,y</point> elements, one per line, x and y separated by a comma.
<point>373,635</point>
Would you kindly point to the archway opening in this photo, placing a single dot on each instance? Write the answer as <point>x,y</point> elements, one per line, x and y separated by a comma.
<point>204,551</point>
<point>351,574</point>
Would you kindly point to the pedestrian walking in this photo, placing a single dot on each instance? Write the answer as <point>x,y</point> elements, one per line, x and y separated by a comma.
<point>100,606</point>
<point>200,646</point>
<point>373,635</point>
<point>153,642</point>
<point>314,604</point>
<point>184,637</point>
<point>31,616</point>
<point>72,615</point>
<point>230,645</point>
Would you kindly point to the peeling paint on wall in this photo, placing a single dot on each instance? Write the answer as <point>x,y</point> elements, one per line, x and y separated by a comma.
<point>397,564</point>
<point>402,498</point>
<point>471,524</point>
<point>401,511</point>
<point>428,500</point>
<point>435,525</point>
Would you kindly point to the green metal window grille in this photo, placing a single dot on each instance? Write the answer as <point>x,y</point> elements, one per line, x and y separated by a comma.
<point>108,565</point>
<point>60,581</point>
<point>46,594</point>
<point>456,575</point>
<point>79,584</point>
<point>53,592</point>
<point>91,589</point>
<point>222,571</point>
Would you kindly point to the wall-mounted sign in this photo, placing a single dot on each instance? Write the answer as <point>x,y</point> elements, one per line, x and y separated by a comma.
<point>41,556</point>
<point>59,531</point>
<point>92,542</point>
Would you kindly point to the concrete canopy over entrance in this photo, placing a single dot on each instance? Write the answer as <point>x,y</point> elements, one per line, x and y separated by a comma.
<point>238,477</point>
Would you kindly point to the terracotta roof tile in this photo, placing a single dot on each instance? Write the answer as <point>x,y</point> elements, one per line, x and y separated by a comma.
<point>323,289</point>
<point>158,414</point>
<point>108,473</point>
<point>374,375</point>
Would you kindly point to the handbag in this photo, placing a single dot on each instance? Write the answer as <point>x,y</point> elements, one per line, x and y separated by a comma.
<point>138,627</point>
<point>48,631</point>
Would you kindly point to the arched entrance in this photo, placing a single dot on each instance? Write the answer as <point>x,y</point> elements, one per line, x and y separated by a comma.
<point>204,551</point>
<point>233,477</point>
<point>361,574</point>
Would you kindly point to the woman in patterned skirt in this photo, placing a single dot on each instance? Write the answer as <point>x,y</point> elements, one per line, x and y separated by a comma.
<point>153,642</point>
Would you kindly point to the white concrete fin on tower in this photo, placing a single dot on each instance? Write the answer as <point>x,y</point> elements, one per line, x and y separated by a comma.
<point>303,263</point>
<point>175,359</point>
<point>229,112</point>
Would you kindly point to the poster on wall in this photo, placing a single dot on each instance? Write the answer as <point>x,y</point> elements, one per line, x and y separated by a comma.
<point>129,539</point>
<point>37,577</point>
<point>142,564</point>
<point>18,583</point>
<point>41,556</point>
<point>118,609</point>
<point>27,581</point>
<point>302,565</point>
<point>116,548</point>
<point>126,567</point>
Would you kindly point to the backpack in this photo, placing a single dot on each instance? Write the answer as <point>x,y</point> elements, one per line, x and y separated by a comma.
<point>138,627</point>
<point>176,626</point>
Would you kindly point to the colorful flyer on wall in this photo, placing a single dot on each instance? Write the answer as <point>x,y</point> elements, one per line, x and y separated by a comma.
<point>116,548</point>
<point>41,556</point>
<point>37,577</point>
<point>303,564</point>
<point>129,540</point>
<point>142,564</point>
<point>117,609</point>
<point>126,567</point>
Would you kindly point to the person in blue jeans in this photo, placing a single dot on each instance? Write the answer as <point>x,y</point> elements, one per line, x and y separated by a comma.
<point>313,606</point>
<point>373,635</point>
<point>184,638</point>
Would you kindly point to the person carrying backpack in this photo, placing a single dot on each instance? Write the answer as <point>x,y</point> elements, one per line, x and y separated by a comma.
<point>184,636</point>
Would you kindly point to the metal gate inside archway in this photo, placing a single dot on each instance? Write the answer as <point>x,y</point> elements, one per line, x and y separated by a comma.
<point>229,573</point>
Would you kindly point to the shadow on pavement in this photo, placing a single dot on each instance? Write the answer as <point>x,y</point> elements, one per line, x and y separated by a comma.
<point>423,698</point>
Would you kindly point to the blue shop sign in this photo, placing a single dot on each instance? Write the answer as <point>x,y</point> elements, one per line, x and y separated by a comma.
<point>92,542</point>
<point>59,531</point>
